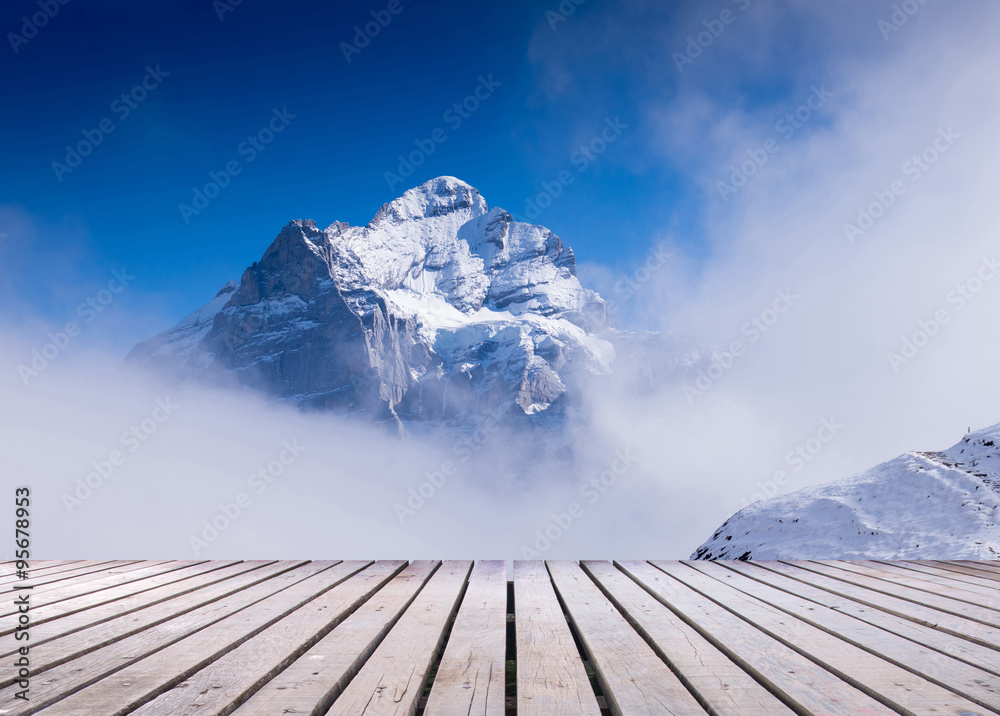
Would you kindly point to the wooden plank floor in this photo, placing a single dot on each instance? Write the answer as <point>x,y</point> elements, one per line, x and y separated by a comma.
<point>443,638</point>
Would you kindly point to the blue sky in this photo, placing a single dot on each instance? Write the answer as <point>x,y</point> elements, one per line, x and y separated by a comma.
<point>221,70</point>
<point>888,95</point>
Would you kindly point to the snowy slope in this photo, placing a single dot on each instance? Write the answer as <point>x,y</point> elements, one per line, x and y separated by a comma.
<point>942,505</point>
<point>177,343</point>
<point>438,309</point>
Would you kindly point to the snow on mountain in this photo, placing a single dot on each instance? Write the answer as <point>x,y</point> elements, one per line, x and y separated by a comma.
<point>943,505</point>
<point>439,308</point>
<point>179,341</point>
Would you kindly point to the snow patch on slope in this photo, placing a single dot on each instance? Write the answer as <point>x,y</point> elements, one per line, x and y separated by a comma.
<point>177,343</point>
<point>943,505</point>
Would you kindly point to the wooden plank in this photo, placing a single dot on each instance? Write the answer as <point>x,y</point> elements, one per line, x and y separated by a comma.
<point>990,566</point>
<point>853,638</point>
<point>8,570</point>
<point>87,570</point>
<point>967,651</point>
<point>960,578</point>
<point>145,679</point>
<point>955,586</point>
<point>51,647</point>
<point>634,679</point>
<point>392,680</point>
<point>551,678</point>
<point>37,564</point>
<point>311,683</point>
<point>950,585</point>
<point>719,683</point>
<point>227,682</point>
<point>43,613</point>
<point>969,681</point>
<point>9,573</point>
<point>812,690</point>
<point>917,596</point>
<point>471,678</point>
<point>96,581</point>
<point>75,613</point>
<point>894,686</point>
<point>69,676</point>
<point>95,569</point>
<point>99,581</point>
<point>980,574</point>
<point>927,616</point>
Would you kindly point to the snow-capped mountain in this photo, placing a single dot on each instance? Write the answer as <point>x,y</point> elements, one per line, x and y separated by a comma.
<point>938,505</point>
<point>440,308</point>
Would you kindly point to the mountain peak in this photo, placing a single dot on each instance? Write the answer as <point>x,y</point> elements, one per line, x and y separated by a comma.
<point>436,197</point>
<point>230,286</point>
<point>438,310</point>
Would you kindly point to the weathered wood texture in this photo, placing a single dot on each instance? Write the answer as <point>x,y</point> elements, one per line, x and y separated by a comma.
<point>436,638</point>
<point>470,678</point>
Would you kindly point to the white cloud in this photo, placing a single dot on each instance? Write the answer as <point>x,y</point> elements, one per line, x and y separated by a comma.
<point>785,228</point>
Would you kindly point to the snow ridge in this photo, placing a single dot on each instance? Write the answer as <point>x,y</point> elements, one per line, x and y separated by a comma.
<point>921,505</point>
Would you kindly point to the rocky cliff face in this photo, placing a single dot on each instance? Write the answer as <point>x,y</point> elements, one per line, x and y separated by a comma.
<point>439,309</point>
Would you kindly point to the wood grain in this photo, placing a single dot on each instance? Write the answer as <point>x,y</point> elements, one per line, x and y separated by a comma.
<point>312,682</point>
<point>795,679</point>
<point>228,681</point>
<point>551,678</point>
<point>392,680</point>
<point>470,679</point>
<point>714,678</point>
<point>262,638</point>
<point>896,687</point>
<point>633,677</point>
<point>145,679</point>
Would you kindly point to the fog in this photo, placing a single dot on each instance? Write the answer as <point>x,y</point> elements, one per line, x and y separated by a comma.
<point>817,310</point>
<point>121,465</point>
